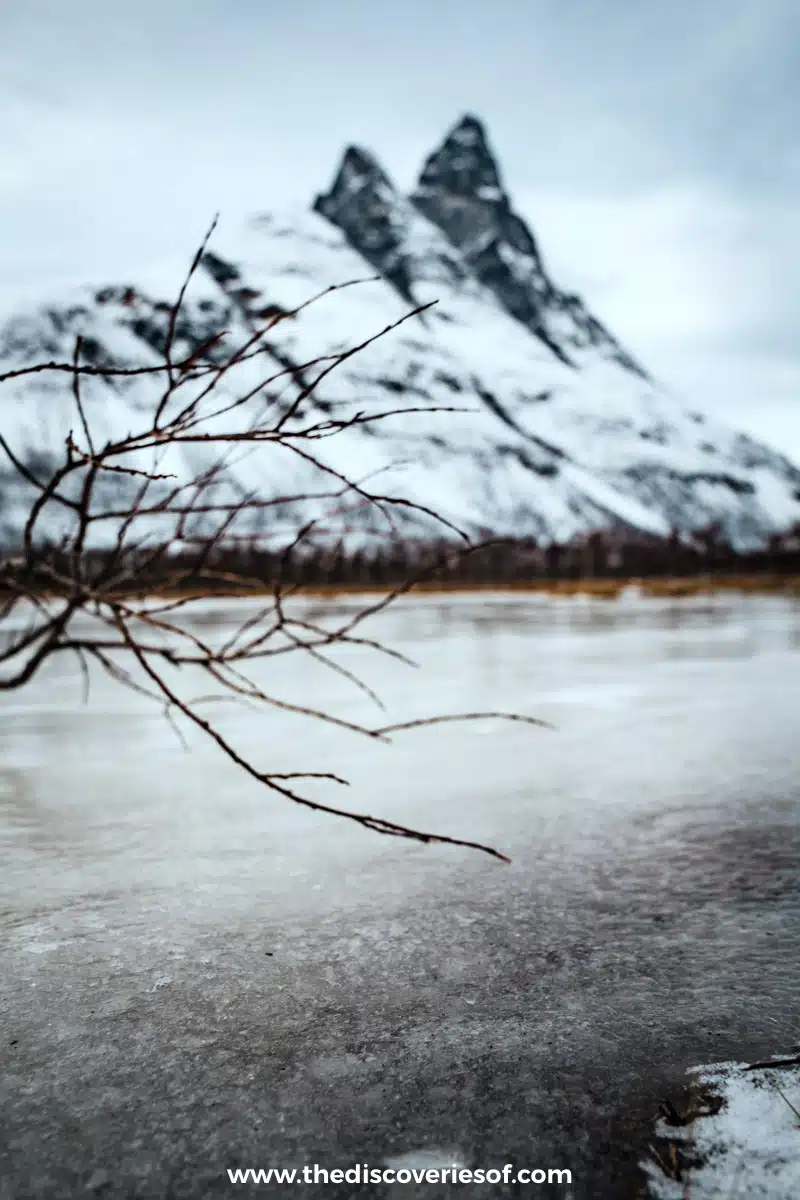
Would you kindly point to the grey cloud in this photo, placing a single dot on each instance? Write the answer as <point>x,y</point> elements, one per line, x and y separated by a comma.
<point>125,126</point>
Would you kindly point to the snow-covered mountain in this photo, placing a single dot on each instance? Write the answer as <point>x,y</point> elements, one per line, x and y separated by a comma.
<point>566,431</point>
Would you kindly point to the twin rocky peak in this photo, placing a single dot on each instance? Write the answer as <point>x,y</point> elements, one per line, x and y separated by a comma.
<point>461,191</point>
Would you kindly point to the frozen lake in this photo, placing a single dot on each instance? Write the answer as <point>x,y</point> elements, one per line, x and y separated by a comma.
<point>198,975</point>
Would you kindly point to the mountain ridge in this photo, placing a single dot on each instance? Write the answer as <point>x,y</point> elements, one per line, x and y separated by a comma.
<point>567,432</point>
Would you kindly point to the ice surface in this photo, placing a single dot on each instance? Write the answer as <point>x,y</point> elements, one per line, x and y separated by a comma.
<point>198,974</point>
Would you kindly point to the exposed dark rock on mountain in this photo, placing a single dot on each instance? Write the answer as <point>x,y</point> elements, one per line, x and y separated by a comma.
<point>566,432</point>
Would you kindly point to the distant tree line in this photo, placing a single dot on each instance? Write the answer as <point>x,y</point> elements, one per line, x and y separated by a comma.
<point>618,554</point>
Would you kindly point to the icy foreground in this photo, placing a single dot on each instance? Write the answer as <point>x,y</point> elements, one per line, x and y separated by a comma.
<point>565,430</point>
<point>198,976</point>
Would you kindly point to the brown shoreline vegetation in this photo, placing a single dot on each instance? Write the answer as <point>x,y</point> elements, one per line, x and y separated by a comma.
<point>650,587</point>
<point>606,589</point>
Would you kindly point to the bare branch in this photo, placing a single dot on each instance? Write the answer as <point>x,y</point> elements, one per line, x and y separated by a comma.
<point>173,536</point>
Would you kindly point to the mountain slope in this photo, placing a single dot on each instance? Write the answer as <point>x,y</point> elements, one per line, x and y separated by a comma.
<point>566,431</point>
<point>460,189</point>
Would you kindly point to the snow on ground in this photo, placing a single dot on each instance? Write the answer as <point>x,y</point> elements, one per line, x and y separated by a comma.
<point>749,1148</point>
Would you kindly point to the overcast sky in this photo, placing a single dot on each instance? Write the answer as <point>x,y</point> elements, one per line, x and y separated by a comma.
<point>652,144</point>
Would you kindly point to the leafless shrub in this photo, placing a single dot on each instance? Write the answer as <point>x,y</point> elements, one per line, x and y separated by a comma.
<point>132,566</point>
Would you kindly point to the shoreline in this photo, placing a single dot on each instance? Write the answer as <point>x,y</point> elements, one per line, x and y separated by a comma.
<point>651,587</point>
<point>661,587</point>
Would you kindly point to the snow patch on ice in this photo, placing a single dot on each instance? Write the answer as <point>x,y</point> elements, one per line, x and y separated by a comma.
<point>427,1159</point>
<point>749,1148</point>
